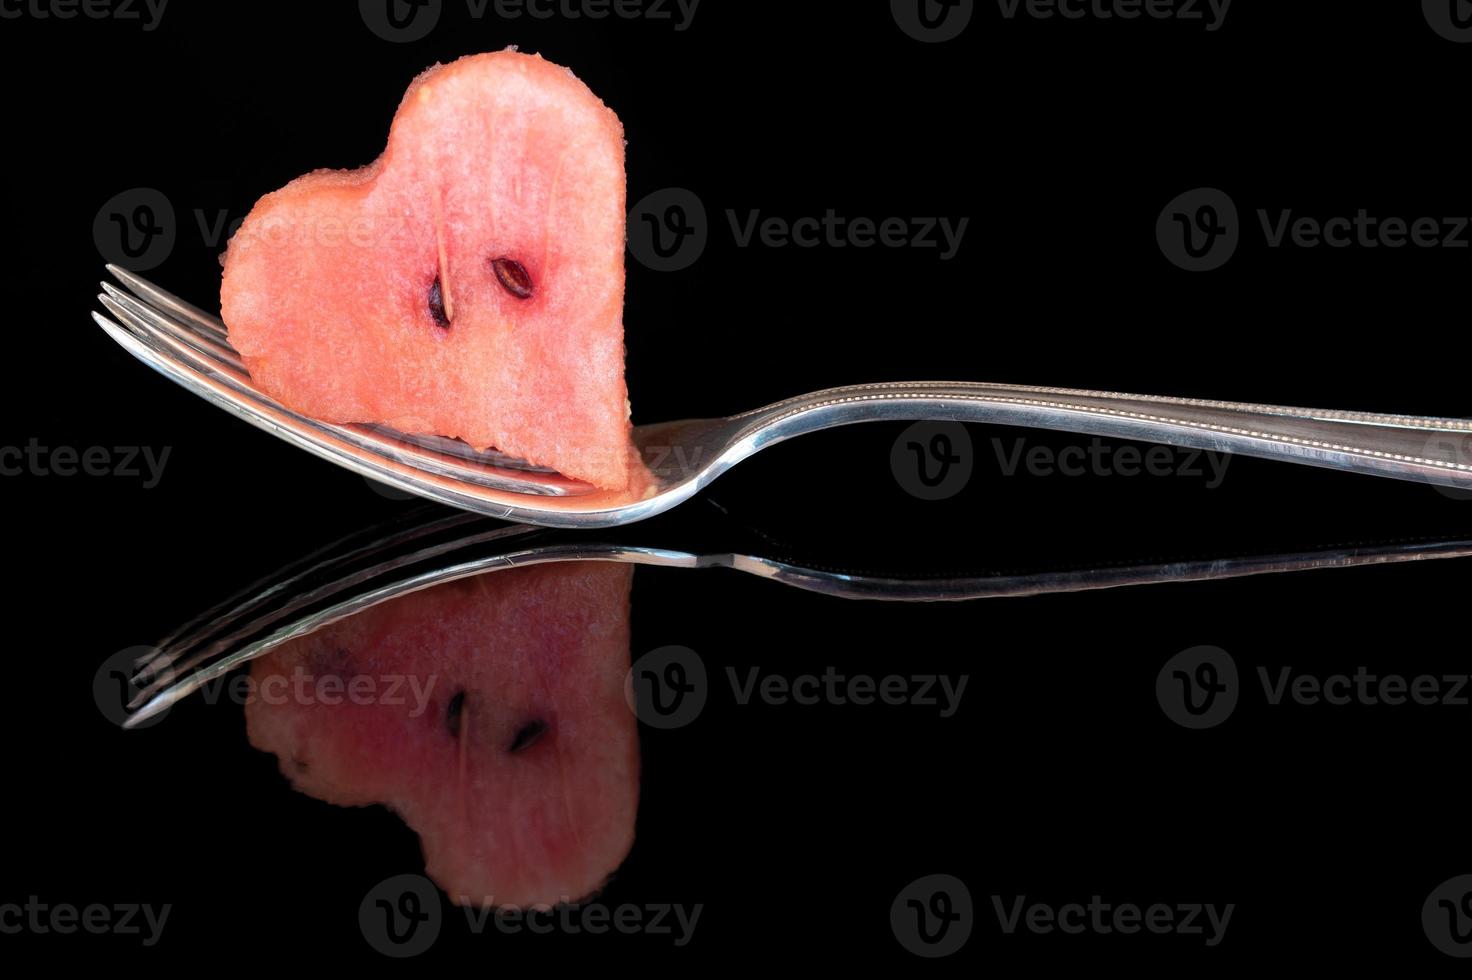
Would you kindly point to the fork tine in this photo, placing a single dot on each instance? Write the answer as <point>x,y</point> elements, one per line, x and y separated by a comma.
<point>432,453</point>
<point>188,311</point>
<point>208,376</point>
<point>205,342</point>
<point>147,324</point>
<point>198,339</point>
<point>205,333</point>
<point>316,438</point>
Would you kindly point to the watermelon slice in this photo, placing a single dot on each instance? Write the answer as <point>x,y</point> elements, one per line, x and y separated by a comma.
<point>519,769</point>
<point>468,283</point>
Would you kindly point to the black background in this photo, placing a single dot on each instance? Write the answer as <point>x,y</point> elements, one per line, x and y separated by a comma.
<point>1060,777</point>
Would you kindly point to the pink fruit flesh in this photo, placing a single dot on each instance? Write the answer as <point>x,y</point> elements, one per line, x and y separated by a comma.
<point>499,168</point>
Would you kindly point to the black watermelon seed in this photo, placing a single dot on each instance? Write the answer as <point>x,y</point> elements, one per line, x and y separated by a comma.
<point>437,304</point>
<point>454,711</point>
<point>513,277</point>
<point>528,734</point>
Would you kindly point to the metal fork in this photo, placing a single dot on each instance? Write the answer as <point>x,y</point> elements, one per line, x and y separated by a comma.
<point>192,348</point>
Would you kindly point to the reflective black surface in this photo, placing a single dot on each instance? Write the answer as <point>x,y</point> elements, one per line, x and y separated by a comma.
<point>1320,806</point>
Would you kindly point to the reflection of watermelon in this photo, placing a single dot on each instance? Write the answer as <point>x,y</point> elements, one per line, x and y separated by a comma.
<point>469,282</point>
<point>521,772</point>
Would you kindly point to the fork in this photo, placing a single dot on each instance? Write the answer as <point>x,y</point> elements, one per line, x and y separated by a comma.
<point>192,348</point>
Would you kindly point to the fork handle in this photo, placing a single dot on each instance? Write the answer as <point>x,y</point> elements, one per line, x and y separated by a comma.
<point>1404,447</point>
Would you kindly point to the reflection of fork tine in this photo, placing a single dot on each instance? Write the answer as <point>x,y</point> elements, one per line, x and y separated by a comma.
<point>241,623</point>
<point>361,543</point>
<point>189,678</point>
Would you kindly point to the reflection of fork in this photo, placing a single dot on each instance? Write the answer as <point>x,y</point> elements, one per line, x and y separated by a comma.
<point>192,348</point>
<point>368,568</point>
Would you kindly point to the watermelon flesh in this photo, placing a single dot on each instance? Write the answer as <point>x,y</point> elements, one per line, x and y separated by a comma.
<point>468,283</point>
<point>519,768</point>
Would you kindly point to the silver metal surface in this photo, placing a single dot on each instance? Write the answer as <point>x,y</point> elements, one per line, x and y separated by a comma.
<point>192,348</point>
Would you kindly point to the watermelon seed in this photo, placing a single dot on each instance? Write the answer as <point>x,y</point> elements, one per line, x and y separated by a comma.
<point>456,708</point>
<point>437,304</point>
<point>513,277</point>
<point>528,734</point>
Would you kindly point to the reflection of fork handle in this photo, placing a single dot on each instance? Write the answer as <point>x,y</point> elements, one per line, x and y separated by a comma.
<point>1405,447</point>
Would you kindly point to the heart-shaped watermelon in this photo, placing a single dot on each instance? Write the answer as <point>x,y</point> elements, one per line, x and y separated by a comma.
<point>468,283</point>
